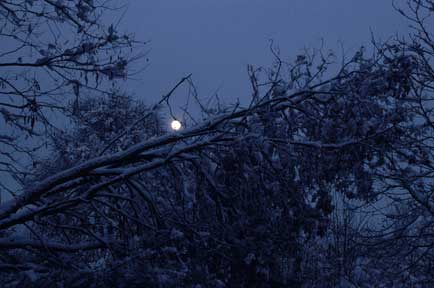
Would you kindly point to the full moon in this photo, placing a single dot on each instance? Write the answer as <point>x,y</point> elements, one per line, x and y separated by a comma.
<point>176,125</point>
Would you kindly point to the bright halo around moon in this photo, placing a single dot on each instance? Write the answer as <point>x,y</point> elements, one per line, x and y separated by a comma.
<point>175,125</point>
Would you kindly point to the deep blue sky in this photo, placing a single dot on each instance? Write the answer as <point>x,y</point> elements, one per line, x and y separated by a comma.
<point>216,39</point>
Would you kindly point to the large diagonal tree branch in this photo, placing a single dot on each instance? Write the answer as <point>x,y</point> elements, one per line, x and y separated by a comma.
<point>84,169</point>
<point>11,243</point>
<point>163,149</point>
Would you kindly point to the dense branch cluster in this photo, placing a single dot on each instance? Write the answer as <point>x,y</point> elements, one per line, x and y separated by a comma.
<point>52,52</point>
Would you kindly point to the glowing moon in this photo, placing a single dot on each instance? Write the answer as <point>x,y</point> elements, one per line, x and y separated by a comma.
<point>176,125</point>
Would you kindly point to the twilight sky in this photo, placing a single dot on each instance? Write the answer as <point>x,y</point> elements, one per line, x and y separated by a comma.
<point>216,39</point>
